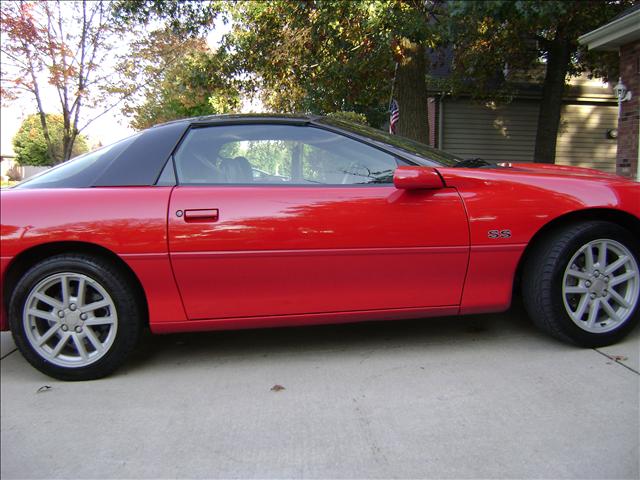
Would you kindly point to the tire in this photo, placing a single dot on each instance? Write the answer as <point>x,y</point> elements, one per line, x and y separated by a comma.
<point>565,288</point>
<point>75,317</point>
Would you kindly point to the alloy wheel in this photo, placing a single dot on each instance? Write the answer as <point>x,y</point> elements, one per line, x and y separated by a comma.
<point>70,319</point>
<point>600,286</point>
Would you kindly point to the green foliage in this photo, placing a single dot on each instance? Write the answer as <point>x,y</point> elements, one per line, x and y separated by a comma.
<point>499,43</point>
<point>188,88</point>
<point>322,56</point>
<point>353,117</point>
<point>182,16</point>
<point>181,78</point>
<point>326,55</point>
<point>31,148</point>
<point>304,56</point>
<point>314,57</point>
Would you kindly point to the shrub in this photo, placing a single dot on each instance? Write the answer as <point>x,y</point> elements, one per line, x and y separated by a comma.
<point>30,147</point>
<point>353,117</point>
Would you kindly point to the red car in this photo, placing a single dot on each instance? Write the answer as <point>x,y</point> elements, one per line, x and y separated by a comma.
<point>172,228</point>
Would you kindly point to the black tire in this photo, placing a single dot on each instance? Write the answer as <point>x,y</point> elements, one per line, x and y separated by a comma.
<point>543,277</point>
<point>128,323</point>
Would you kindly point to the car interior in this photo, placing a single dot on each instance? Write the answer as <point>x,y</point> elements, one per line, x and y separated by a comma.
<point>277,154</point>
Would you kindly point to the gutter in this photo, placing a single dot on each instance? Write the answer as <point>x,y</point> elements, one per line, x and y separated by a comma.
<point>613,34</point>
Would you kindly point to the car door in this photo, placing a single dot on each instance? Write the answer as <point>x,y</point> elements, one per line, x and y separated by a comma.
<point>278,219</point>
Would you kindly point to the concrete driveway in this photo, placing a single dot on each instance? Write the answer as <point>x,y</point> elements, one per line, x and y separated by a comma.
<point>466,397</point>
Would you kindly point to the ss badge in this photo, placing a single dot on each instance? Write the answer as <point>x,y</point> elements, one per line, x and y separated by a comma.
<point>495,234</point>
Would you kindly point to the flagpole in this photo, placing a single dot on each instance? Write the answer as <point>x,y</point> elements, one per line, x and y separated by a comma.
<point>393,84</point>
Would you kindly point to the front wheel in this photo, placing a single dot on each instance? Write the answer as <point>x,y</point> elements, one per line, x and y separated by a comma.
<point>582,283</point>
<point>74,317</point>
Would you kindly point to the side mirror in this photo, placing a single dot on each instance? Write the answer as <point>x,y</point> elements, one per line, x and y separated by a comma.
<point>417,178</point>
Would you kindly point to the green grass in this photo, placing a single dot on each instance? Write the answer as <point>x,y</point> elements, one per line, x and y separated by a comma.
<point>8,183</point>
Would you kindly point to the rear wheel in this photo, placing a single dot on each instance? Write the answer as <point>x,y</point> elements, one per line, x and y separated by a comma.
<point>582,283</point>
<point>75,317</point>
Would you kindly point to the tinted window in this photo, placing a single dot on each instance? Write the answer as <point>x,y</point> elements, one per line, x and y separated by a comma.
<point>279,154</point>
<point>410,146</point>
<point>79,171</point>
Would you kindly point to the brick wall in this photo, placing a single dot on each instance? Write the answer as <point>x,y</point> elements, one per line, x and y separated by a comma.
<point>629,122</point>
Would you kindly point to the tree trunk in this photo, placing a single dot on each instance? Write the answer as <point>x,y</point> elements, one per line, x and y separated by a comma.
<point>66,139</point>
<point>558,58</point>
<point>411,92</point>
<point>42,115</point>
<point>45,131</point>
<point>67,146</point>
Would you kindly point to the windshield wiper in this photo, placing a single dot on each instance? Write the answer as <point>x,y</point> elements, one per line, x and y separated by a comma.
<point>473,163</point>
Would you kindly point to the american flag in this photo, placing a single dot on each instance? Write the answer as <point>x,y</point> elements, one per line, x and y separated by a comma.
<point>395,116</point>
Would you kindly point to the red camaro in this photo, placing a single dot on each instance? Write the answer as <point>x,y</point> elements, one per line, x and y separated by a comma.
<point>258,221</point>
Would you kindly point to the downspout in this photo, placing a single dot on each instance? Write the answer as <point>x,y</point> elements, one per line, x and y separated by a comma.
<point>440,120</point>
<point>638,164</point>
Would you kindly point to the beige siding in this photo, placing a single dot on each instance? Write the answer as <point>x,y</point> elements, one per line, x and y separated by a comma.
<point>499,133</point>
<point>507,133</point>
<point>582,138</point>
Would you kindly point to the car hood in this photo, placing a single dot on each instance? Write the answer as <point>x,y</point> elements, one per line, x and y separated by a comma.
<point>543,185</point>
<point>544,168</point>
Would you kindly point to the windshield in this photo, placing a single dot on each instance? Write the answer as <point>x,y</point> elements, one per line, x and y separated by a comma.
<point>79,170</point>
<point>410,146</point>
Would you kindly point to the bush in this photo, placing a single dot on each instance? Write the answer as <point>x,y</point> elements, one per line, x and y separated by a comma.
<point>30,147</point>
<point>352,117</point>
<point>13,174</point>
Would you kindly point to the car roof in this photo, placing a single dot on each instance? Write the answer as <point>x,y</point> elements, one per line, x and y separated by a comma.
<point>141,159</point>
<point>243,117</point>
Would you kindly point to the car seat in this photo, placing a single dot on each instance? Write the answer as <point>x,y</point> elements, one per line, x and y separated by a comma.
<point>236,170</point>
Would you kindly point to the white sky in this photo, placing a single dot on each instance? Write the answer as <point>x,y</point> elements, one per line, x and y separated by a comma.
<point>107,129</point>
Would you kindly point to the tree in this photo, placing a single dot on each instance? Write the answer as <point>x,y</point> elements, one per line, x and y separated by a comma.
<point>331,55</point>
<point>31,147</point>
<point>306,57</point>
<point>352,117</point>
<point>188,88</point>
<point>318,56</point>
<point>64,44</point>
<point>493,37</point>
<point>175,77</point>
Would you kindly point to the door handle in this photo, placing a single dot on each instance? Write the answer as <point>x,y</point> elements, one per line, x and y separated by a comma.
<point>201,215</point>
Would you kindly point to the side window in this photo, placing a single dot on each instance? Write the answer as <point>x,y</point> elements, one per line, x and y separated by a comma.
<point>270,160</point>
<point>277,155</point>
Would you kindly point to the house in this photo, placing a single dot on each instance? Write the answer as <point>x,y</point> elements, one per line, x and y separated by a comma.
<point>507,132</point>
<point>7,162</point>
<point>10,170</point>
<point>623,34</point>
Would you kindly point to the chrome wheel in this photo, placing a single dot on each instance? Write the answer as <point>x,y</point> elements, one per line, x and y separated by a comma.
<point>70,319</point>
<point>601,286</point>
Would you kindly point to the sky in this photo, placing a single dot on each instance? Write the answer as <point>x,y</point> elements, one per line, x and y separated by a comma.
<point>107,129</point>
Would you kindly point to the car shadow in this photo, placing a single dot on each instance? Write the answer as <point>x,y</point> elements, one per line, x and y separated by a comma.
<point>225,346</point>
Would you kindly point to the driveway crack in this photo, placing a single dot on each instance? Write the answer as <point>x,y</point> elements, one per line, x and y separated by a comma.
<point>5,356</point>
<point>613,358</point>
